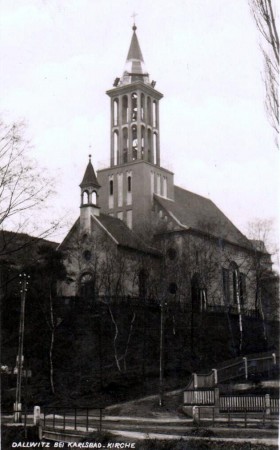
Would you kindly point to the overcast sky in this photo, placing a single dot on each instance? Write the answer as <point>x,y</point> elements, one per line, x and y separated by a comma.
<point>60,56</point>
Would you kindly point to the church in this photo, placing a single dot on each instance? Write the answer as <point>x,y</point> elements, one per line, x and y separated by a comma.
<point>140,237</point>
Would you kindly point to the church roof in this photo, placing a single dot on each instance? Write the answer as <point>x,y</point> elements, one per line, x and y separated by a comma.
<point>198,213</point>
<point>122,234</point>
<point>90,178</point>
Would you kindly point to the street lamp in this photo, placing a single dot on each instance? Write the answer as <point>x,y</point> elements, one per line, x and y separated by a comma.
<point>17,405</point>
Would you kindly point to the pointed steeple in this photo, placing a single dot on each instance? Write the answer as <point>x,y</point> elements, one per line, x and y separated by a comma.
<point>134,52</point>
<point>89,198</point>
<point>134,67</point>
<point>89,176</point>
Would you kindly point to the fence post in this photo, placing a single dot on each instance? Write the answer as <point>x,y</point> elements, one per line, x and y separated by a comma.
<point>195,413</point>
<point>17,412</point>
<point>246,367</point>
<point>274,358</point>
<point>195,380</point>
<point>36,415</point>
<point>267,404</point>
<point>217,400</point>
<point>215,373</point>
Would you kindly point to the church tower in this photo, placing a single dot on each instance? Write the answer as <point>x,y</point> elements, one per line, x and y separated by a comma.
<point>135,173</point>
<point>89,198</point>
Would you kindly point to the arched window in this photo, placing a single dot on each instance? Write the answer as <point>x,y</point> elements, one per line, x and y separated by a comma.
<point>198,293</point>
<point>155,147</point>
<point>85,198</point>
<point>129,183</point>
<point>149,111</point>
<point>116,112</point>
<point>142,106</point>
<point>149,145</point>
<point>134,143</point>
<point>87,286</point>
<point>142,141</point>
<point>125,145</point>
<point>111,187</point>
<point>124,109</point>
<point>94,198</point>
<point>154,113</point>
<point>134,107</point>
<point>116,147</point>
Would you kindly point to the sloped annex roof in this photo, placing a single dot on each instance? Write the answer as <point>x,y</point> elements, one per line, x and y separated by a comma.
<point>199,213</point>
<point>117,230</point>
<point>123,235</point>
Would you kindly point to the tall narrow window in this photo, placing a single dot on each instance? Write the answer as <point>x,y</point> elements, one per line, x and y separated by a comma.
<point>129,183</point>
<point>120,189</point>
<point>129,189</point>
<point>94,198</point>
<point>116,147</point>
<point>116,112</point>
<point>154,113</point>
<point>134,107</point>
<point>149,146</point>
<point>149,111</point>
<point>111,192</point>
<point>85,198</point>
<point>111,184</point>
<point>125,145</point>
<point>134,143</point>
<point>142,106</point>
<point>124,109</point>
<point>155,148</point>
<point>142,141</point>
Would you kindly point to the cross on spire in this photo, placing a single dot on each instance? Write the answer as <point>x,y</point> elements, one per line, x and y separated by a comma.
<point>89,147</point>
<point>134,26</point>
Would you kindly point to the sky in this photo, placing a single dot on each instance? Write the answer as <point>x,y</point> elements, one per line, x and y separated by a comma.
<point>59,57</point>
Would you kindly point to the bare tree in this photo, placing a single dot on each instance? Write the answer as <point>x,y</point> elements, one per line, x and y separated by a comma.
<point>264,14</point>
<point>23,187</point>
<point>260,231</point>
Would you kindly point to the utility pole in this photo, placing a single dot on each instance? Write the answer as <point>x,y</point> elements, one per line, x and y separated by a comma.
<point>19,363</point>
<point>161,353</point>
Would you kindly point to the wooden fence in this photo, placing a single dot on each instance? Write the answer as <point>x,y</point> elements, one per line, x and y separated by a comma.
<point>199,397</point>
<point>239,403</point>
<point>231,402</point>
<point>241,367</point>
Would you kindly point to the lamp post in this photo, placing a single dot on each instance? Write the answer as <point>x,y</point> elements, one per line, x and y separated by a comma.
<point>19,363</point>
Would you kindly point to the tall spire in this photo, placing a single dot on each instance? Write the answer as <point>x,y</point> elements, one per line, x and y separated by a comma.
<point>134,67</point>
<point>134,52</point>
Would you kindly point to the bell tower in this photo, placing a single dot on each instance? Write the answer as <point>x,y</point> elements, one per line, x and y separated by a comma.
<point>89,198</point>
<point>134,112</point>
<point>135,173</point>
